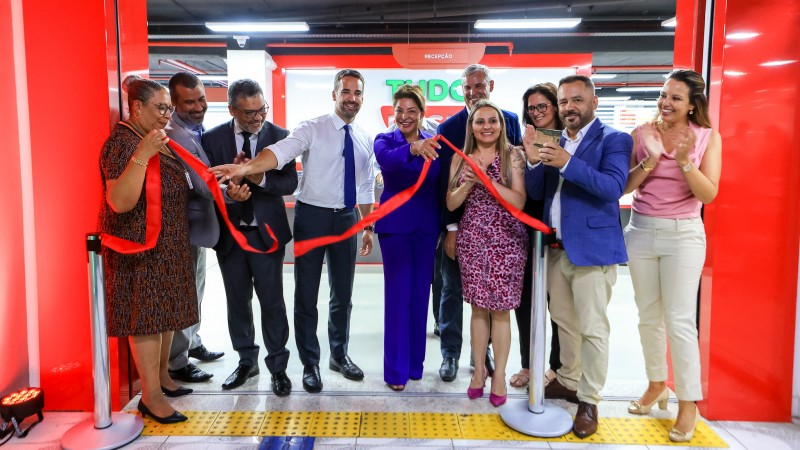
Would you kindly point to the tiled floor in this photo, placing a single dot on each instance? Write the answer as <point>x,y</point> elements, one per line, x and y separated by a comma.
<point>625,382</point>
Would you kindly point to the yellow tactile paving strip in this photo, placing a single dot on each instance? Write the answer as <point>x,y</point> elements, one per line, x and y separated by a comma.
<point>626,431</point>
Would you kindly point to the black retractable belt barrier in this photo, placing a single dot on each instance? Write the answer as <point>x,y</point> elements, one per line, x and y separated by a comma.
<point>107,430</point>
<point>533,416</point>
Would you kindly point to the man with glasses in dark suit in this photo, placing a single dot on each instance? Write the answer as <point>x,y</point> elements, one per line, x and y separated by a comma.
<point>237,142</point>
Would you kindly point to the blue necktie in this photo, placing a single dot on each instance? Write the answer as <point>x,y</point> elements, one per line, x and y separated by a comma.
<point>349,170</point>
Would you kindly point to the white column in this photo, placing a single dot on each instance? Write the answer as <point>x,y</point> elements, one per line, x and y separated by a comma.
<point>253,64</point>
<point>796,375</point>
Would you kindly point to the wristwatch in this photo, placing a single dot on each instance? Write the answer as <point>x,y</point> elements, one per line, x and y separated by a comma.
<point>687,168</point>
<point>369,228</point>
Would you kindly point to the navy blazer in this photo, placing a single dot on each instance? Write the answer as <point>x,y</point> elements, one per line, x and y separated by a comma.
<point>400,171</point>
<point>203,222</point>
<point>593,183</point>
<point>268,205</point>
<point>454,130</point>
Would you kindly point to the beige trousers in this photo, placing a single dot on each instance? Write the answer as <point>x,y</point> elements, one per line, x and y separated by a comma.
<point>579,297</point>
<point>666,259</point>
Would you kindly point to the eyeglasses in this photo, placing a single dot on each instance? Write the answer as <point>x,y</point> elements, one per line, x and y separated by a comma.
<point>541,107</point>
<point>164,109</point>
<point>251,113</point>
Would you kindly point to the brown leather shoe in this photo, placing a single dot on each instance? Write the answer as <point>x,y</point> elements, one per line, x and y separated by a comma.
<point>557,390</point>
<point>585,420</point>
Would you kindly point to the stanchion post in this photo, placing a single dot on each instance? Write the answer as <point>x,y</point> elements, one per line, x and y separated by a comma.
<point>533,416</point>
<point>106,430</point>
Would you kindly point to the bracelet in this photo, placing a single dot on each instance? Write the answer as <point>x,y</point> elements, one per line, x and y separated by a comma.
<point>138,161</point>
<point>369,228</point>
<point>645,167</point>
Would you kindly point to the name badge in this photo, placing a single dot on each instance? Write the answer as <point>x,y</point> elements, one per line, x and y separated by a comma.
<point>188,179</point>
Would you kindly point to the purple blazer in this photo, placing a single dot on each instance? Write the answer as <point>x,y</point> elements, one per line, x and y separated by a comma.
<point>400,171</point>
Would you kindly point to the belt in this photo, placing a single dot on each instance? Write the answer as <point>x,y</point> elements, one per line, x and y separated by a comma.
<point>558,245</point>
<point>247,227</point>
<point>333,210</point>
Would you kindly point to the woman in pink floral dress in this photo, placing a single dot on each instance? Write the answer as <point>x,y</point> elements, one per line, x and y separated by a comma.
<point>491,244</point>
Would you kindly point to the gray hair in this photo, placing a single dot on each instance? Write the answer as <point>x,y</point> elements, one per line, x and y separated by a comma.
<point>472,68</point>
<point>242,89</point>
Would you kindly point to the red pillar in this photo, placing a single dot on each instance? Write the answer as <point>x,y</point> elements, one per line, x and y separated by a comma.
<point>749,285</point>
<point>13,309</point>
<point>688,53</point>
<point>54,93</point>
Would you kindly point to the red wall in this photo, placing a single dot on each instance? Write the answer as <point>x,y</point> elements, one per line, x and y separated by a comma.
<point>749,285</point>
<point>70,55</point>
<point>13,312</point>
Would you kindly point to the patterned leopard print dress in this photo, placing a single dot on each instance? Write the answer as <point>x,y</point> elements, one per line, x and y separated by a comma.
<point>492,249</point>
<point>153,291</point>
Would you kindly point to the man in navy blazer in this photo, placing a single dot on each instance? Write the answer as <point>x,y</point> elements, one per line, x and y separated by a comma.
<point>186,128</point>
<point>581,181</point>
<point>238,141</point>
<point>477,84</point>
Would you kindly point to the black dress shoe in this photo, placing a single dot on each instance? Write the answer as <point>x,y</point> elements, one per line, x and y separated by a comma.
<point>449,369</point>
<point>489,361</point>
<point>190,374</point>
<point>239,376</point>
<point>203,354</point>
<point>346,367</point>
<point>312,381</point>
<point>281,384</point>
<point>172,418</point>
<point>180,392</point>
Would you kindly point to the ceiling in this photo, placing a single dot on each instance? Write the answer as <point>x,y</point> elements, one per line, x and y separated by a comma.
<point>624,37</point>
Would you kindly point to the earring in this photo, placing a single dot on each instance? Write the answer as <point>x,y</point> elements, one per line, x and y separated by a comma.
<point>691,112</point>
<point>138,114</point>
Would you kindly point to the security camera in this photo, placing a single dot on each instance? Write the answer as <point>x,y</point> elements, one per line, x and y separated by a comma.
<point>241,40</point>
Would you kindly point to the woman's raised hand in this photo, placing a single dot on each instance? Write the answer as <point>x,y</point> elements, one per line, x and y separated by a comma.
<point>682,141</point>
<point>150,144</point>
<point>469,173</point>
<point>427,148</point>
<point>651,139</point>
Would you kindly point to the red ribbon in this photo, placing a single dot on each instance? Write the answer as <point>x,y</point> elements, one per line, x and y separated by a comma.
<point>306,245</point>
<point>153,214</point>
<point>516,212</point>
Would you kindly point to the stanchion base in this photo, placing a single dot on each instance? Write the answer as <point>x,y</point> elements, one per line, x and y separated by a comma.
<point>554,421</point>
<point>124,428</point>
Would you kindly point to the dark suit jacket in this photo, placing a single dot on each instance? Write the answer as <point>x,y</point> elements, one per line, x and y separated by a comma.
<point>203,221</point>
<point>268,206</point>
<point>593,183</point>
<point>400,171</point>
<point>454,130</point>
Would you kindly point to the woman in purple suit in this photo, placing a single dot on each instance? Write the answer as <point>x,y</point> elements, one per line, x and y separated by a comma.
<point>407,236</point>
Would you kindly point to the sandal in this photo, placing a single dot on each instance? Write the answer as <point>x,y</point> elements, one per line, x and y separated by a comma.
<point>520,379</point>
<point>396,387</point>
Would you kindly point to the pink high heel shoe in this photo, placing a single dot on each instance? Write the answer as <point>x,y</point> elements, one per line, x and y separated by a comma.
<point>497,400</point>
<point>474,393</point>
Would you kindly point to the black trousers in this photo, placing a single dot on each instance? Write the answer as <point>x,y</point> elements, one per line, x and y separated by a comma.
<point>310,222</point>
<point>241,272</point>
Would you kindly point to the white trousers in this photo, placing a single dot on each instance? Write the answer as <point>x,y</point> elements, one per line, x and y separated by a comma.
<point>579,297</point>
<point>666,260</point>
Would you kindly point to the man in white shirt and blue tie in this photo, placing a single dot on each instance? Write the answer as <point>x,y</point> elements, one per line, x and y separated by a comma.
<point>338,162</point>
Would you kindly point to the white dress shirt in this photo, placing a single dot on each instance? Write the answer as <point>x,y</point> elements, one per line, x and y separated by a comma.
<point>571,146</point>
<point>320,141</point>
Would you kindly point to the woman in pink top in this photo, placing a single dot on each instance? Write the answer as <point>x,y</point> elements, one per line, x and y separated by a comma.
<point>675,168</point>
